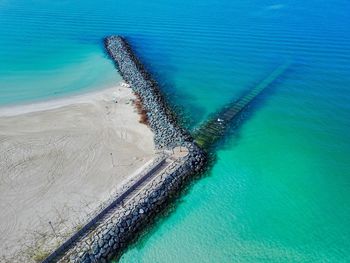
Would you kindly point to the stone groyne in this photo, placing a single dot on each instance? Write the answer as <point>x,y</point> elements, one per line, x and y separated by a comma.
<point>161,119</point>
<point>117,226</point>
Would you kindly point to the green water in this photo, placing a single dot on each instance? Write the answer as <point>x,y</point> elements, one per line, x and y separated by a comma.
<point>272,196</point>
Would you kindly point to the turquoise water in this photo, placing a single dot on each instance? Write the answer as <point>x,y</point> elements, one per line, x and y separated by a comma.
<point>279,189</point>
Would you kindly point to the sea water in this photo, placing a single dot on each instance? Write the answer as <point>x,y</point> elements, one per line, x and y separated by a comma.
<point>279,189</point>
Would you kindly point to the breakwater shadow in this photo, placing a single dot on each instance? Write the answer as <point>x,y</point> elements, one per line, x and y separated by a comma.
<point>186,115</point>
<point>233,133</point>
<point>173,95</point>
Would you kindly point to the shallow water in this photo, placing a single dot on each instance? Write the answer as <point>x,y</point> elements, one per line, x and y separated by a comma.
<point>279,189</point>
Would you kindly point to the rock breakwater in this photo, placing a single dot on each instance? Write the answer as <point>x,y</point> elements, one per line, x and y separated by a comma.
<point>161,119</point>
<point>106,236</point>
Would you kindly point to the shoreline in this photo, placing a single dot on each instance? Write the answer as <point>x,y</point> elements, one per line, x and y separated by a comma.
<point>105,93</point>
<point>62,162</point>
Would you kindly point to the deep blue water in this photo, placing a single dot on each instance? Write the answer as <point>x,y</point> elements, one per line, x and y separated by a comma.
<point>279,189</point>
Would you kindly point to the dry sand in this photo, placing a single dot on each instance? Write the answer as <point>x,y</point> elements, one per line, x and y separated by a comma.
<point>60,161</point>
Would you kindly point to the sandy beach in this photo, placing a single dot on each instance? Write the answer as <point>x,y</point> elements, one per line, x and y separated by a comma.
<point>60,161</point>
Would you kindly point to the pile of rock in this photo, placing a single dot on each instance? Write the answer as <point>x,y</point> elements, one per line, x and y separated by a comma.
<point>161,119</point>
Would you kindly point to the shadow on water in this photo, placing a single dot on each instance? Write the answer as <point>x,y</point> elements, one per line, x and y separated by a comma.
<point>233,128</point>
<point>233,133</point>
<point>173,94</point>
<point>187,115</point>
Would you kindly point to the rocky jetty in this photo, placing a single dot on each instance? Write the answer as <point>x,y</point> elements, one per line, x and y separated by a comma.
<point>161,119</point>
<point>113,229</point>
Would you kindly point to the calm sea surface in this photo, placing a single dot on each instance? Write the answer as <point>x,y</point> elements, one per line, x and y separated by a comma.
<point>279,190</point>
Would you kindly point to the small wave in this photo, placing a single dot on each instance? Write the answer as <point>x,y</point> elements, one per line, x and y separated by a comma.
<point>275,7</point>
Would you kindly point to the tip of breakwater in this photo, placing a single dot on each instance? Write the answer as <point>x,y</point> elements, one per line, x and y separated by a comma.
<point>161,119</point>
